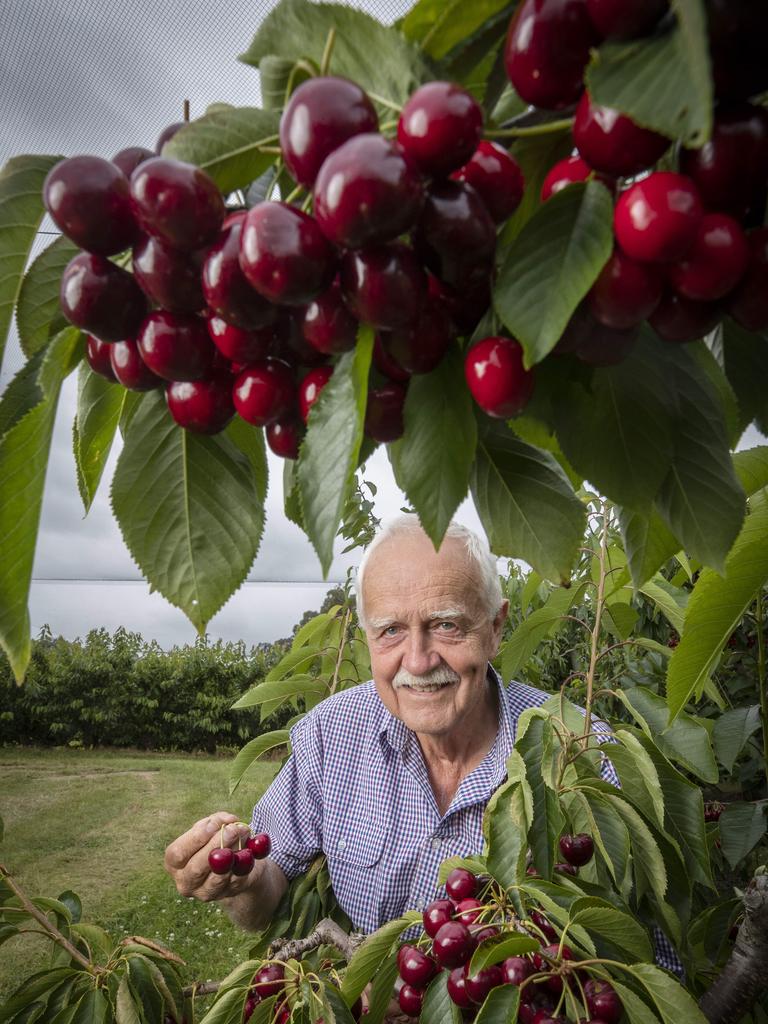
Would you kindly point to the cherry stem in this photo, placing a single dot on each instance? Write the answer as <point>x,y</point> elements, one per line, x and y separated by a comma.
<point>384,102</point>
<point>528,130</point>
<point>325,61</point>
<point>593,656</point>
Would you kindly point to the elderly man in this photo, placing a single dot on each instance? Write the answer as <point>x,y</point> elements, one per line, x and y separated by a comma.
<point>388,778</point>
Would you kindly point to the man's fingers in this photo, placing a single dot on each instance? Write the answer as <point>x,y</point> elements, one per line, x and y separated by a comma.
<point>197,869</point>
<point>182,850</point>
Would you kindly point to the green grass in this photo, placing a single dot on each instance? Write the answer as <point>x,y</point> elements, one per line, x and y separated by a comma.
<point>98,822</point>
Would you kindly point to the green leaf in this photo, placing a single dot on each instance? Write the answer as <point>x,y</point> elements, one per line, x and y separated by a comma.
<point>38,313</point>
<point>638,776</point>
<point>732,731</point>
<point>441,26</point>
<point>143,983</point>
<point>228,1009</point>
<point>21,211</point>
<point>536,744</point>
<point>648,542</point>
<point>189,509</point>
<point>661,81</point>
<point>526,503</point>
<point>493,951</point>
<point>34,987</point>
<point>328,458</point>
<point>297,29</point>
<point>606,827</point>
<point>673,1001</point>
<point>433,460</point>
<point>717,606</point>
<point>252,751</point>
<point>438,1007</point>
<point>650,870</point>
<point>92,1008</point>
<point>500,1006</point>
<point>543,622</point>
<point>292,495</point>
<point>707,361</point>
<point>745,358</point>
<point>381,991</point>
<point>742,826</point>
<point>551,265</point>
<point>126,1011</point>
<point>617,927</point>
<point>228,145</point>
<point>536,155</point>
<point>701,499</point>
<point>337,1006</point>
<point>73,904</point>
<point>506,822</point>
<point>671,601</point>
<point>637,1012</point>
<point>372,953</point>
<point>250,441</point>
<point>751,467</point>
<point>621,618</point>
<point>99,406</point>
<point>24,450</point>
<point>618,432</point>
<point>290,687</point>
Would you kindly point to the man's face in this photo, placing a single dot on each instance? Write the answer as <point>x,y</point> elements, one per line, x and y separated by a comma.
<point>426,621</point>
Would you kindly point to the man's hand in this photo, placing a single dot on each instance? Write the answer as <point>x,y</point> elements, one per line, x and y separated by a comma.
<point>186,859</point>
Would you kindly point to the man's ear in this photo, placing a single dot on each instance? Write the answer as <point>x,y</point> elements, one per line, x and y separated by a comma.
<point>498,626</point>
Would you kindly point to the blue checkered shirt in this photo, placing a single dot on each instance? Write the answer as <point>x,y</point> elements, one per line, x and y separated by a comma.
<point>356,788</point>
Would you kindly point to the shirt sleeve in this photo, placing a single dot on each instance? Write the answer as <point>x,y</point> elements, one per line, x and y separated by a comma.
<point>607,771</point>
<point>291,810</point>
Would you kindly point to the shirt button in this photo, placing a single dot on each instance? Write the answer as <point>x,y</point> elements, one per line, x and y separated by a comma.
<point>436,843</point>
<point>342,844</point>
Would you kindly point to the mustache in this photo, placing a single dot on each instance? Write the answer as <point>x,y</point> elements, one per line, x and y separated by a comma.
<point>437,677</point>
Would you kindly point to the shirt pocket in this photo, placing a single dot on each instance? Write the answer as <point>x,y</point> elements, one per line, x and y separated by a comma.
<point>355,851</point>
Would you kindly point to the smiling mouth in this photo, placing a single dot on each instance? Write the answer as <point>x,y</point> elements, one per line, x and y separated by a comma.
<point>425,687</point>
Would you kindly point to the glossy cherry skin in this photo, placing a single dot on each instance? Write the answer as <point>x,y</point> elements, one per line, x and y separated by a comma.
<point>479,985</point>
<point>176,346</point>
<point>238,345</point>
<point>453,944</point>
<point>565,869</point>
<point>366,192</point>
<point>730,168</point>
<point>204,407</point>
<point>169,277</point>
<point>128,159</point>
<point>220,860</point>
<point>264,392</point>
<point>544,926</point>
<point>455,235</point>
<point>269,980</point>
<point>89,200</point>
<point>420,347</point>
<point>327,323</point>
<point>435,916</point>
<point>101,298</point>
<point>564,173</point>
<point>715,262</point>
<point>602,1001</point>
<point>611,142</point>
<point>748,304</point>
<point>384,285</point>
<point>625,293</point>
<point>384,413</point>
<point>625,19</point>
<point>385,363</point>
<point>496,377</point>
<point>130,369</point>
<point>260,845</point>
<point>656,219</point>
<point>284,255</point>
<point>176,202</point>
<point>439,128</point>
<point>310,388</point>
<point>457,988</point>
<point>482,933</point>
<point>243,863</point>
<point>543,71</point>
<point>516,969</point>
<point>319,117</point>
<point>226,288</point>
<point>284,438</point>
<point>496,177</point>
<point>290,345</point>
<point>681,320</point>
<point>468,910</point>
<point>97,353</point>
<point>167,134</point>
<point>416,968</point>
<point>410,1000</point>
<point>460,884</point>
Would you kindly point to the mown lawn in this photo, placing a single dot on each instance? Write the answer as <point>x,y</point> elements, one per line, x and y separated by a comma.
<point>98,822</point>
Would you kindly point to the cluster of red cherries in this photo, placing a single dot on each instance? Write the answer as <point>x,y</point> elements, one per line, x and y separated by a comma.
<point>456,925</point>
<point>268,981</point>
<point>223,859</point>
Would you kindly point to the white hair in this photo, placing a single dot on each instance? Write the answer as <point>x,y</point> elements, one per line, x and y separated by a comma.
<point>478,555</point>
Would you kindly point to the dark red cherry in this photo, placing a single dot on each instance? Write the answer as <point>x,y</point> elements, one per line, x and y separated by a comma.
<point>284,255</point>
<point>167,134</point>
<point>543,71</point>
<point>366,192</point>
<point>284,438</point>
<point>435,915</point>
<point>97,353</point>
<point>410,1000</point>
<point>480,984</point>
<point>625,293</point>
<point>385,363</point>
<point>496,377</point>
<point>269,980</point>
<point>543,962</point>
<point>457,988</point>
<point>177,203</point>
<point>679,319</point>
<point>384,285</point>
<point>260,845</point>
<point>319,117</point>
<point>243,862</point>
<point>416,968</point>
<point>737,31</point>
<point>602,1001</point>
<point>611,142</point>
<point>439,128</point>
<point>206,407</point>
<point>89,200</point>
<point>220,860</point>
<point>468,303</point>
<point>564,173</point>
<point>384,413</point>
<point>656,219</point>
<point>130,369</point>
<point>482,934</point>
<point>453,944</point>
<point>176,346</point>
<point>169,277</point>
<point>715,262</point>
<point>226,288</point>
<point>455,236</point>
<point>290,345</point>
<point>468,910</point>
<point>748,304</point>
<point>238,345</point>
<point>542,923</point>
<point>420,347</point>
<point>101,298</point>
<point>328,325</point>
<point>516,969</point>
<point>264,392</point>
<point>460,884</point>
<point>128,159</point>
<point>626,19</point>
<point>310,388</point>
<point>496,177</point>
<point>566,869</point>
<point>730,168</point>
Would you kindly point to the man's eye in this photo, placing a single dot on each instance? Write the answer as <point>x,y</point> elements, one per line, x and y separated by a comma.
<point>390,631</point>
<point>450,626</point>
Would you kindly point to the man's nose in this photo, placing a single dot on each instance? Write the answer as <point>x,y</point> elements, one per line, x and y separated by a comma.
<point>419,656</point>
